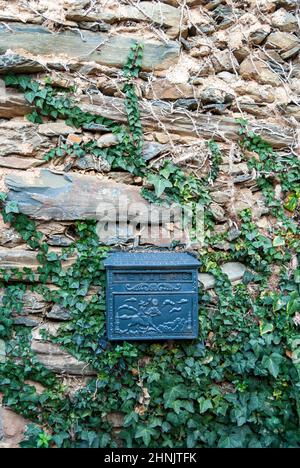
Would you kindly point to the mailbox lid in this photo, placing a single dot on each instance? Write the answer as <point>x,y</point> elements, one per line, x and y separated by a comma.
<point>128,260</point>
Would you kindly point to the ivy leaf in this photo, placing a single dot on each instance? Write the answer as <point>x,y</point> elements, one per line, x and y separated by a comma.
<point>204,405</point>
<point>10,80</point>
<point>59,439</point>
<point>42,93</point>
<point>91,438</point>
<point>24,82</point>
<point>81,306</point>
<point>59,152</point>
<point>292,201</point>
<point>105,439</point>
<point>54,114</point>
<point>278,241</point>
<point>3,196</point>
<point>130,418</point>
<point>297,276</point>
<point>265,327</point>
<point>11,207</point>
<point>52,257</point>
<point>230,441</point>
<point>293,304</point>
<point>145,433</point>
<point>167,170</point>
<point>160,183</point>
<point>179,405</point>
<point>30,96</point>
<point>34,117</point>
<point>173,393</point>
<point>272,363</point>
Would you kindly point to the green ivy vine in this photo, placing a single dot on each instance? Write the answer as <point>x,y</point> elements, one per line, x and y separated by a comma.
<point>237,385</point>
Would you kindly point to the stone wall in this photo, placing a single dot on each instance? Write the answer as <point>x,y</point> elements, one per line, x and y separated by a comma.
<point>205,64</point>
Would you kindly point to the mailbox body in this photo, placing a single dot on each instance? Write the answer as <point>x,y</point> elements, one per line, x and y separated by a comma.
<point>152,296</point>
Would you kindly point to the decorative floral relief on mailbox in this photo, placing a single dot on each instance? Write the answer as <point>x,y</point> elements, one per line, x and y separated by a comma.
<point>152,296</point>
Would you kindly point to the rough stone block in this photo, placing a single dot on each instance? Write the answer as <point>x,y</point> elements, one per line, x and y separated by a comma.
<point>13,428</point>
<point>58,360</point>
<point>46,195</point>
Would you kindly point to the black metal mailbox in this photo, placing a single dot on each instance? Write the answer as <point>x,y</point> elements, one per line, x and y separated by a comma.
<point>152,296</point>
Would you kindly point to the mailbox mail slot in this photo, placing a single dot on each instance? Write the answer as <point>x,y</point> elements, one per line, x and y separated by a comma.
<point>152,296</point>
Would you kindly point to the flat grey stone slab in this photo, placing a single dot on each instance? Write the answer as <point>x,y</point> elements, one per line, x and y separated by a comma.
<point>47,195</point>
<point>234,270</point>
<point>14,63</point>
<point>96,47</point>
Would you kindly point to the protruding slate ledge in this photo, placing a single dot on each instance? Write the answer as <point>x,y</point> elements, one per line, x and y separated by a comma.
<point>234,270</point>
<point>98,47</point>
<point>158,12</point>
<point>14,63</point>
<point>180,121</point>
<point>13,104</point>
<point>46,195</point>
<point>20,258</point>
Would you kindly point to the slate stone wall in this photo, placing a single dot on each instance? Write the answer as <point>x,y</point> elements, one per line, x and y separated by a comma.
<point>205,64</point>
